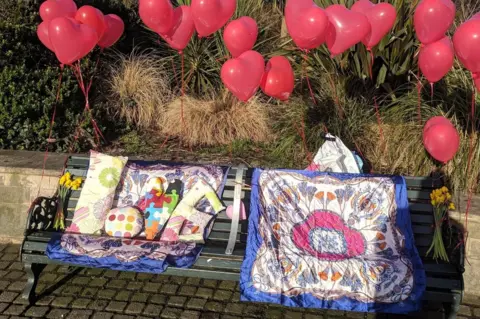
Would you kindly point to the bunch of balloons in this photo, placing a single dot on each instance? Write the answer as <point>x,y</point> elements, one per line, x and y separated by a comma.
<point>432,19</point>
<point>71,34</point>
<point>441,139</point>
<point>310,26</point>
<point>467,46</point>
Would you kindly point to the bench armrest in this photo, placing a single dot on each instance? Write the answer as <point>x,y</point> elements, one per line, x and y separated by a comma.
<point>41,214</point>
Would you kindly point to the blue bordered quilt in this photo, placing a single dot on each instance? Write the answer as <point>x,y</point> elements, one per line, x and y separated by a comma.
<point>334,241</point>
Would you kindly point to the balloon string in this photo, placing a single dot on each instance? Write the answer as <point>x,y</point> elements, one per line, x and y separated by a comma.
<point>335,96</point>
<point>52,123</point>
<point>431,93</point>
<point>301,132</point>
<point>379,119</point>
<point>372,60</point>
<point>305,74</point>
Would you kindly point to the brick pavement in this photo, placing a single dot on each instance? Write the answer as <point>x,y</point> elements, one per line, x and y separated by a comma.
<point>96,293</point>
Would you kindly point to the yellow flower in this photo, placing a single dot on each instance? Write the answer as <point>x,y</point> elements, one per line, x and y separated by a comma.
<point>449,197</point>
<point>68,176</point>
<point>62,180</point>
<point>68,183</point>
<point>451,206</point>
<point>444,189</point>
<point>75,187</point>
<point>434,202</point>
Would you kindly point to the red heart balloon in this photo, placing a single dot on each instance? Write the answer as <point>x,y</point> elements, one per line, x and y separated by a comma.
<point>157,15</point>
<point>240,35</point>
<point>113,31</point>
<point>441,141</point>
<point>434,121</point>
<point>242,75</point>
<point>346,28</point>
<point>181,34</point>
<point>432,19</point>
<point>70,39</point>
<point>42,33</point>
<point>436,59</point>
<point>306,23</point>
<point>211,15</point>
<point>466,41</point>
<point>381,18</point>
<point>92,17</point>
<point>278,80</point>
<point>52,9</point>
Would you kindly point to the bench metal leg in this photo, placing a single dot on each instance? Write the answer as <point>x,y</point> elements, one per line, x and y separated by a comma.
<point>33,272</point>
<point>451,310</point>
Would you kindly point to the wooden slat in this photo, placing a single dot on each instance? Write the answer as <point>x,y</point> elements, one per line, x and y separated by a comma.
<point>423,182</point>
<point>437,268</point>
<point>416,195</point>
<point>421,229</point>
<point>421,207</point>
<point>443,283</point>
<point>422,219</point>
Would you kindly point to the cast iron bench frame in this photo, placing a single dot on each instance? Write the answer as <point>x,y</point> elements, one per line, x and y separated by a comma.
<point>224,250</point>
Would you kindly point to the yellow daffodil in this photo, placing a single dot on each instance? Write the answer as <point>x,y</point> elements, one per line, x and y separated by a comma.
<point>444,189</point>
<point>75,187</point>
<point>68,183</point>
<point>434,202</point>
<point>449,197</point>
<point>62,180</point>
<point>451,206</point>
<point>68,176</point>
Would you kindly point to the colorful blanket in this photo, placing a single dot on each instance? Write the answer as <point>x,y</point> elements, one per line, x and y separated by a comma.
<point>336,241</point>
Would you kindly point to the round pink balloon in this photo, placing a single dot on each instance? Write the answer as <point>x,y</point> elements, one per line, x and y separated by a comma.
<point>242,75</point>
<point>179,37</point>
<point>441,141</point>
<point>436,59</point>
<point>466,41</point>
<point>42,33</point>
<point>346,28</point>
<point>278,80</point>
<point>381,18</point>
<point>71,40</point>
<point>306,23</point>
<point>432,19</point>
<point>436,120</point>
<point>52,9</point>
<point>477,82</point>
<point>240,35</point>
<point>157,15</point>
<point>113,31</point>
<point>210,16</point>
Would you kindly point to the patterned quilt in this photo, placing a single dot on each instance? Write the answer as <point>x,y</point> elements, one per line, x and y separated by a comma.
<point>335,241</point>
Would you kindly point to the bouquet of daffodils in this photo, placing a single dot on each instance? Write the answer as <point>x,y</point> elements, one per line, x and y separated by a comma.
<point>442,203</point>
<point>66,185</point>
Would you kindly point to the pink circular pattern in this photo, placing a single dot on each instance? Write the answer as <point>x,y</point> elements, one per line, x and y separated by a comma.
<point>121,218</point>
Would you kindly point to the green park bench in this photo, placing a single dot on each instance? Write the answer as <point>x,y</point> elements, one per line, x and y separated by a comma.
<point>224,250</point>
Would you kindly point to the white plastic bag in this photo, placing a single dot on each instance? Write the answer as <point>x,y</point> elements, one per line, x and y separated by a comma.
<point>334,157</point>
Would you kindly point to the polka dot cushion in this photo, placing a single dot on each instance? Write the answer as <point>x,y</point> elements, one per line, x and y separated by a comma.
<point>125,222</point>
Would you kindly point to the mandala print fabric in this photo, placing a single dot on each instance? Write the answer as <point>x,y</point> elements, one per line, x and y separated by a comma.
<point>336,241</point>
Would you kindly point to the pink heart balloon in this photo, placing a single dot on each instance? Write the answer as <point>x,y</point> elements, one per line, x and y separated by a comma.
<point>346,28</point>
<point>113,31</point>
<point>42,33</point>
<point>381,18</point>
<point>157,15</point>
<point>432,19</point>
<point>92,17</point>
<point>466,41</point>
<point>436,59</point>
<point>181,34</point>
<point>52,9</point>
<point>306,23</point>
<point>211,15</point>
<point>70,39</point>
<point>441,141</point>
<point>242,75</point>
<point>240,35</point>
<point>278,80</point>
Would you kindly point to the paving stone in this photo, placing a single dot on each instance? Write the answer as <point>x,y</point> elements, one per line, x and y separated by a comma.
<point>140,297</point>
<point>204,292</point>
<point>82,281</point>
<point>177,301</point>
<point>190,314</point>
<point>116,284</point>
<point>144,276</point>
<point>153,310</point>
<point>106,294</point>
<point>98,282</point>
<point>236,296</point>
<point>151,286</point>
<point>193,281</point>
<point>116,306</point>
<point>158,299</point>
<point>128,275</point>
<point>171,313</point>
<point>81,303</point>
<point>80,314</point>
<point>308,316</point>
<point>62,302</point>
<point>187,291</point>
<point>123,317</point>
<point>72,291</point>
<point>235,317</point>
<point>9,257</point>
<point>476,312</point>
<point>64,269</point>
<point>464,310</point>
<point>3,273</point>
<point>102,315</point>
<point>123,295</point>
<point>227,285</point>
<point>169,289</point>
<point>44,300</point>
<point>3,306</point>
<point>4,264</point>
<point>293,315</point>
<point>40,289</point>
<point>334,313</point>
<point>89,292</point>
<point>214,306</point>
<point>273,313</point>
<point>196,303</point>
<point>3,247</point>
<point>94,272</point>
<point>210,315</point>
<point>235,308</point>
<point>111,274</point>
<point>37,312</point>
<point>48,278</point>
<point>15,310</point>
<point>355,315</point>
<point>14,275</point>
<point>16,265</point>
<point>4,284</point>
<point>209,283</point>
<point>58,313</point>
<point>50,268</point>
<point>17,286</point>
<point>8,296</point>
<point>222,295</point>
<point>98,304</point>
<point>12,248</point>
<point>177,280</point>
<point>135,308</point>
<point>135,285</point>
<point>21,301</point>
<point>161,279</point>
<point>3,317</point>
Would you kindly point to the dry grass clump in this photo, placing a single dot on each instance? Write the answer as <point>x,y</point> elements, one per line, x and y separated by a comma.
<point>140,89</point>
<point>214,122</point>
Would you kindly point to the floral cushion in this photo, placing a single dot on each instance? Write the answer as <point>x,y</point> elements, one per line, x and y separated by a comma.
<point>125,222</point>
<point>97,194</point>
